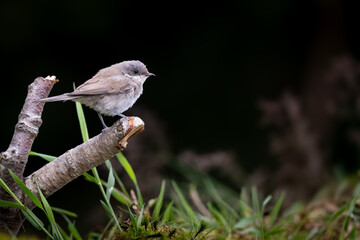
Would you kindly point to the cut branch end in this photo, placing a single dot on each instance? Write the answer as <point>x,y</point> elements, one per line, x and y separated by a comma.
<point>136,126</point>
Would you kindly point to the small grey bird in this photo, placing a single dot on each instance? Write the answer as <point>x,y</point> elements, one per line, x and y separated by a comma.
<point>112,91</point>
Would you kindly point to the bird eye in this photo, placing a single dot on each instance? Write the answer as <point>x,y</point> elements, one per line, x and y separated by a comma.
<point>136,71</point>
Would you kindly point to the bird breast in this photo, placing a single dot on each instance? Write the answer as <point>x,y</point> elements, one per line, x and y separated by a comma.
<point>113,104</point>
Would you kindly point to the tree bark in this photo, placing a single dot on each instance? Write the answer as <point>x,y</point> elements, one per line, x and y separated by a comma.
<point>54,175</point>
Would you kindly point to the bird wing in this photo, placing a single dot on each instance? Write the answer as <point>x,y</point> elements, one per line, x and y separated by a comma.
<point>100,85</point>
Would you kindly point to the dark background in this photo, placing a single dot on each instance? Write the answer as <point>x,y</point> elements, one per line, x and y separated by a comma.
<point>214,62</point>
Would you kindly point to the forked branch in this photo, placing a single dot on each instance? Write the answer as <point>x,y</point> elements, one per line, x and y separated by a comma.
<point>62,170</point>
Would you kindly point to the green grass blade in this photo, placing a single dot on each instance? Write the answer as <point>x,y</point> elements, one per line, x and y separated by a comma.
<point>181,214</point>
<point>245,209</point>
<point>140,217</point>
<point>107,209</point>
<point>64,234</point>
<point>33,219</point>
<point>122,186</point>
<point>331,219</point>
<point>50,215</point>
<point>89,177</point>
<point>47,208</point>
<point>120,197</point>
<point>26,190</point>
<point>57,233</point>
<point>74,232</point>
<point>159,201</point>
<point>64,212</point>
<point>252,231</point>
<point>265,202</point>
<point>275,211</point>
<point>96,177</point>
<point>218,216</point>
<point>3,184</point>
<point>275,232</point>
<point>110,181</point>
<point>107,205</point>
<point>224,207</point>
<point>124,162</point>
<point>167,213</point>
<point>46,157</point>
<point>71,226</point>
<point>312,233</point>
<point>4,203</point>
<point>95,236</point>
<point>255,201</point>
<point>351,234</point>
<point>345,224</point>
<point>258,213</point>
<point>244,222</point>
<point>132,218</point>
<point>202,227</point>
<point>185,205</point>
<point>82,121</point>
<point>139,196</point>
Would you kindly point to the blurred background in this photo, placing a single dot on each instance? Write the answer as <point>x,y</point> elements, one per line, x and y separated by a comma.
<point>248,92</point>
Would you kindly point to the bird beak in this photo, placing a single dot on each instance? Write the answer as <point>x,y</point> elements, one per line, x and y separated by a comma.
<point>150,74</point>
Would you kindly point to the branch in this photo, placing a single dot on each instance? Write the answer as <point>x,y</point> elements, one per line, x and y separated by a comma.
<point>84,157</point>
<point>16,156</point>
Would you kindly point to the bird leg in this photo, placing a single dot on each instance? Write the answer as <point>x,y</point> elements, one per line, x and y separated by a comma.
<point>102,120</point>
<point>122,115</point>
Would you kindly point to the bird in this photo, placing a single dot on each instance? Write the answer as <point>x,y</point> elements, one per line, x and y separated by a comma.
<point>111,91</point>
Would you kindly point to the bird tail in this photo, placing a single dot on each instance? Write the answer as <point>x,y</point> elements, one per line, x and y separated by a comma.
<point>63,97</point>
